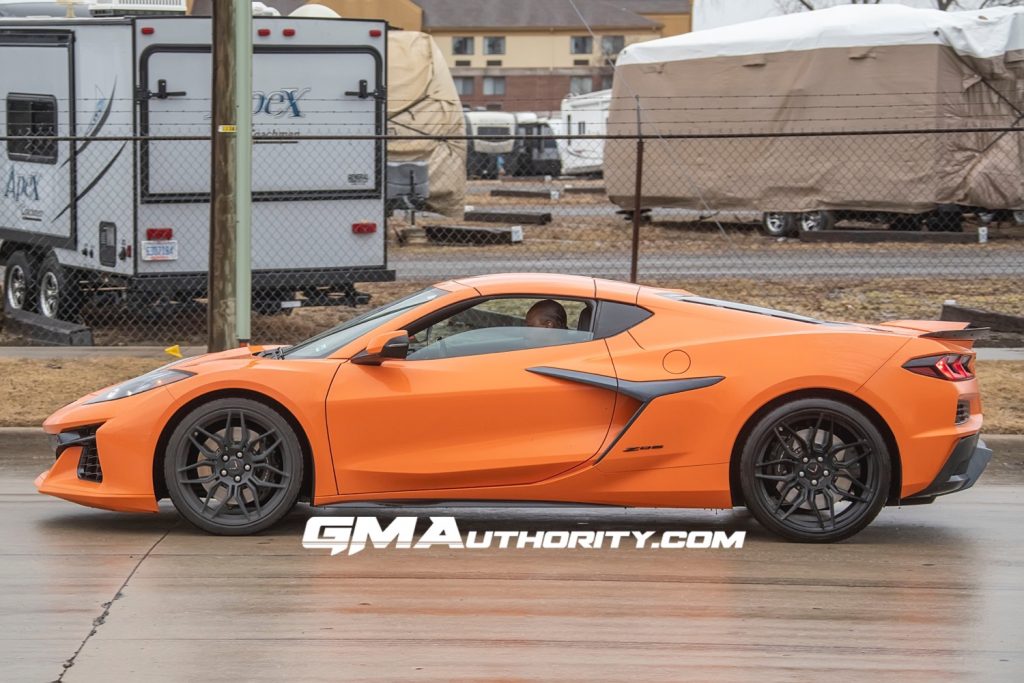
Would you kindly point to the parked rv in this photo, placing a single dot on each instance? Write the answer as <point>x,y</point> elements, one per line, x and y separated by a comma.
<point>535,152</point>
<point>862,68</point>
<point>493,142</point>
<point>132,215</point>
<point>584,115</point>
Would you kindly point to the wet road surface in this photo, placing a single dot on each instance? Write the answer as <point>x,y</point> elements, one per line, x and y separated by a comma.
<point>926,593</point>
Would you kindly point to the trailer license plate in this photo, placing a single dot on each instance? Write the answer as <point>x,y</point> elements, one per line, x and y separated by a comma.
<point>161,250</point>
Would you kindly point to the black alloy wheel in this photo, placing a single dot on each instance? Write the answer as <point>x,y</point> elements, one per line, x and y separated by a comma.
<point>233,466</point>
<point>815,470</point>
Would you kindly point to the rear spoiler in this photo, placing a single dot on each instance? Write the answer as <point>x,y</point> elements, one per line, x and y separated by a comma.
<point>968,333</point>
<point>959,333</point>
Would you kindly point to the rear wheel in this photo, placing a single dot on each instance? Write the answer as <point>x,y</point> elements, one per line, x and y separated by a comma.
<point>813,221</point>
<point>58,295</point>
<point>815,471</point>
<point>233,467</point>
<point>19,282</point>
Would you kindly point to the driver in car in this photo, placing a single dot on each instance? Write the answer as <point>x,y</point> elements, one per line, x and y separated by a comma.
<point>547,313</point>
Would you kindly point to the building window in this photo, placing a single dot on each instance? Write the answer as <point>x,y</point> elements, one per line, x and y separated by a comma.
<point>612,45</point>
<point>464,85</point>
<point>494,85</point>
<point>493,62</point>
<point>606,82</point>
<point>581,85</point>
<point>581,62</point>
<point>494,45</point>
<point>32,116</point>
<point>462,45</point>
<point>581,45</point>
<point>463,62</point>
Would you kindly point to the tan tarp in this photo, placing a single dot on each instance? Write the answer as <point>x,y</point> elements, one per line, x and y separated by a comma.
<point>822,90</point>
<point>422,100</point>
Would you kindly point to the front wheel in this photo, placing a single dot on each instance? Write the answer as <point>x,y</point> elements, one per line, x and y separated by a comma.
<point>815,471</point>
<point>233,467</point>
<point>778,224</point>
<point>19,282</point>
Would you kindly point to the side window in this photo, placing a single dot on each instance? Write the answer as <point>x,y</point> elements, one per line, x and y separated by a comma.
<point>614,317</point>
<point>28,117</point>
<point>501,324</point>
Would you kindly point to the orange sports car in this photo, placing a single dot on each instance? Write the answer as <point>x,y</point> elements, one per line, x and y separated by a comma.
<point>544,388</point>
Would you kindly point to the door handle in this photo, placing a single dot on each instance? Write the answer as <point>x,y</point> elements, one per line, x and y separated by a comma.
<point>364,91</point>
<point>162,93</point>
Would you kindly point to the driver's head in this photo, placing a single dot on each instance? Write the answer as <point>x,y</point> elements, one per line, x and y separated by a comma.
<point>547,313</point>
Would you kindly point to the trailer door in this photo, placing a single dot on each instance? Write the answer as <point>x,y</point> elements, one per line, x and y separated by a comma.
<point>36,171</point>
<point>314,200</point>
<point>297,91</point>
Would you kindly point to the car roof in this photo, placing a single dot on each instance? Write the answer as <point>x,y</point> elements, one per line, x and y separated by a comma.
<point>555,284</point>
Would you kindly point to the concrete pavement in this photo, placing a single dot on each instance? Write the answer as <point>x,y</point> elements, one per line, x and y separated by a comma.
<point>926,592</point>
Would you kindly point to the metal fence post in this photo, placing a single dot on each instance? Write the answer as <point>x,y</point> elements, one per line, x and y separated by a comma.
<point>635,255</point>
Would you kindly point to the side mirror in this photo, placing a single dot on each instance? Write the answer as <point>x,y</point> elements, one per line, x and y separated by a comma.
<point>384,346</point>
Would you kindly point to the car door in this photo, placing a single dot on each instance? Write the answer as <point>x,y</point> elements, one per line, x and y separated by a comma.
<point>476,420</point>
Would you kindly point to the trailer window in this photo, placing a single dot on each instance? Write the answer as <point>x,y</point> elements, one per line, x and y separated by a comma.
<point>33,119</point>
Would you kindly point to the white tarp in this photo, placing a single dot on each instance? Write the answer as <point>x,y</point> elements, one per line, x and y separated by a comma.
<point>979,33</point>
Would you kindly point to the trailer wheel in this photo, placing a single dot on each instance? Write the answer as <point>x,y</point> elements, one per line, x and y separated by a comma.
<point>778,223</point>
<point>19,282</point>
<point>58,297</point>
<point>813,221</point>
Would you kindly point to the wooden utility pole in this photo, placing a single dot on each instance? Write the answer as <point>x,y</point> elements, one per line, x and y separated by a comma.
<point>221,313</point>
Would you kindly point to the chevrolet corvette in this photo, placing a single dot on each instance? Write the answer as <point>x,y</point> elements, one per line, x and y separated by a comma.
<point>543,388</point>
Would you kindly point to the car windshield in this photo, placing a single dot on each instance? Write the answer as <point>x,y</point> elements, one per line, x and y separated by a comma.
<point>326,343</point>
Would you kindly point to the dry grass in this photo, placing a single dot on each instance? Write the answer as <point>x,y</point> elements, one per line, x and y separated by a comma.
<point>868,300</point>
<point>1002,395</point>
<point>35,388</point>
<point>32,389</point>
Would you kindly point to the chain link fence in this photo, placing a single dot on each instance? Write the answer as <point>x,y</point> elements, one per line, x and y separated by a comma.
<point>112,232</point>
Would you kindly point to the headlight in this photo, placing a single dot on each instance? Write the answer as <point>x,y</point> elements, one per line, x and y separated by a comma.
<point>151,380</point>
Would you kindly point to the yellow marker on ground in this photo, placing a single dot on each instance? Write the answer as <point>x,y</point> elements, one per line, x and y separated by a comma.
<point>173,351</point>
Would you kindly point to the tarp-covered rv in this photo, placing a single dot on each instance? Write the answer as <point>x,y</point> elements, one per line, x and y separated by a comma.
<point>849,68</point>
<point>422,100</point>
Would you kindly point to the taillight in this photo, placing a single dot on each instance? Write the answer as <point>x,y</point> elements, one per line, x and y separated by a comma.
<point>954,367</point>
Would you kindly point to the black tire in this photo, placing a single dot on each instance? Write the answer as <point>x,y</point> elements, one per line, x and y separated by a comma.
<point>778,224</point>
<point>57,295</point>
<point>814,221</point>
<point>821,496</point>
<point>222,474</point>
<point>19,282</point>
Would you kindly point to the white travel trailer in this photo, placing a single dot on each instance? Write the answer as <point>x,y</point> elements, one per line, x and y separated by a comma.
<point>132,214</point>
<point>583,115</point>
<point>485,156</point>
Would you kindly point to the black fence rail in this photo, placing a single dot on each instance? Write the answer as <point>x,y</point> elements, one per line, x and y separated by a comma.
<point>112,231</point>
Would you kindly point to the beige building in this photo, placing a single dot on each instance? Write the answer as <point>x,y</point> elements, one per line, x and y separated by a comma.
<point>526,55</point>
